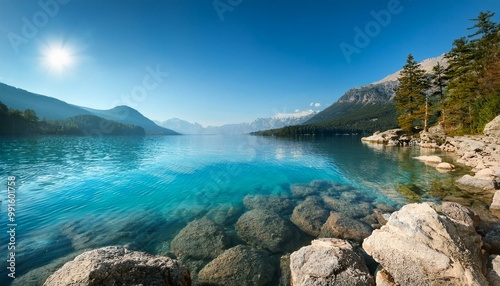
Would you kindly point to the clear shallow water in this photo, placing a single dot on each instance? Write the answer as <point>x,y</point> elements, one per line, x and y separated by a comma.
<point>77,193</point>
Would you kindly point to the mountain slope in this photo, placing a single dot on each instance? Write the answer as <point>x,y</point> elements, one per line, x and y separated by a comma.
<point>370,100</point>
<point>128,115</point>
<point>44,106</point>
<point>51,108</point>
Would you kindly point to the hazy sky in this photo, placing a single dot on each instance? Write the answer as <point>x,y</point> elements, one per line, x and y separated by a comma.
<point>222,61</point>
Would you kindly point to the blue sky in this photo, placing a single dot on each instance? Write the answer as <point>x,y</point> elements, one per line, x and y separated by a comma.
<point>222,61</point>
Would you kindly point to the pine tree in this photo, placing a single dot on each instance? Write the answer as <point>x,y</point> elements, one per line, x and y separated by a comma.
<point>472,100</point>
<point>411,96</point>
<point>439,83</point>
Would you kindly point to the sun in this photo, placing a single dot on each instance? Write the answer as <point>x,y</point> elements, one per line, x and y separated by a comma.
<point>58,58</point>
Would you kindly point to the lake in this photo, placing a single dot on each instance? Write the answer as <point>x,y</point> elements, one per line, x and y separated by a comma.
<point>79,193</point>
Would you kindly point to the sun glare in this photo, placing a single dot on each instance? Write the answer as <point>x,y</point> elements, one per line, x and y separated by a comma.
<point>58,58</point>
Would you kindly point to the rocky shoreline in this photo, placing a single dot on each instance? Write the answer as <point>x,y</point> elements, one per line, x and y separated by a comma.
<point>479,152</point>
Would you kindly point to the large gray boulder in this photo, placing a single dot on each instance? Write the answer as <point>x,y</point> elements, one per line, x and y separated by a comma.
<point>267,230</point>
<point>310,215</point>
<point>419,246</point>
<point>118,266</point>
<point>328,261</point>
<point>493,127</point>
<point>240,265</point>
<point>201,239</point>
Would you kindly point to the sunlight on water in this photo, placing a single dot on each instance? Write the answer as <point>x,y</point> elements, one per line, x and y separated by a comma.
<point>79,193</point>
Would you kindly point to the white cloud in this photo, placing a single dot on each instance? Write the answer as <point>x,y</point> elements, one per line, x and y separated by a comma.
<point>314,104</point>
<point>296,114</point>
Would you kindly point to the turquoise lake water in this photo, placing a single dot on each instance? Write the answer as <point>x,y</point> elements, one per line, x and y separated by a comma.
<point>77,193</point>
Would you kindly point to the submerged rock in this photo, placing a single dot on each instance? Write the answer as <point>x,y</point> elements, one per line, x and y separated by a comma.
<point>328,261</point>
<point>285,274</point>
<point>240,265</point>
<point>118,266</point>
<point>310,216</point>
<point>225,214</point>
<point>303,190</point>
<point>419,246</point>
<point>267,230</point>
<point>344,227</point>
<point>201,238</point>
<point>429,159</point>
<point>278,204</point>
<point>350,209</point>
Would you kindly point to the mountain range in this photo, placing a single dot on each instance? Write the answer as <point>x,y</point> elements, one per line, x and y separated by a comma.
<point>51,108</point>
<point>277,121</point>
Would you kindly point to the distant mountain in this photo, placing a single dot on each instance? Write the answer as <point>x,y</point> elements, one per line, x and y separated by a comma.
<point>181,126</point>
<point>427,65</point>
<point>51,108</point>
<point>128,115</point>
<point>362,109</point>
<point>44,106</point>
<point>278,121</point>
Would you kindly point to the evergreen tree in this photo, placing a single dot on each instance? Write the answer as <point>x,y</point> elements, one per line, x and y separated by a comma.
<point>439,83</point>
<point>473,98</point>
<point>411,96</point>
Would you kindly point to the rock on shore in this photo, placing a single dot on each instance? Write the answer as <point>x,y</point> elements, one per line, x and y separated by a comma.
<point>392,137</point>
<point>118,266</point>
<point>328,261</point>
<point>421,246</point>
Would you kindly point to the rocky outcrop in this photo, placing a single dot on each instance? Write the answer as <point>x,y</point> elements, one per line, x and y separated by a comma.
<point>328,261</point>
<point>267,230</point>
<point>420,246</point>
<point>201,239</point>
<point>240,265</point>
<point>493,128</point>
<point>277,204</point>
<point>310,216</point>
<point>392,137</point>
<point>118,266</point>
